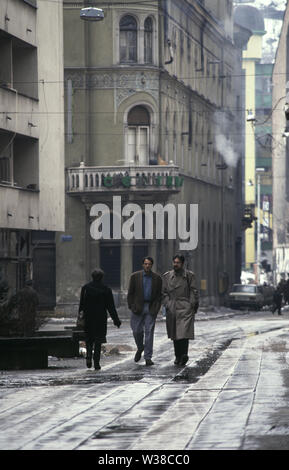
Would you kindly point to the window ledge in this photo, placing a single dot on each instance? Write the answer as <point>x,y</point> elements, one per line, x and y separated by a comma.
<point>31,3</point>
<point>9,88</point>
<point>9,185</point>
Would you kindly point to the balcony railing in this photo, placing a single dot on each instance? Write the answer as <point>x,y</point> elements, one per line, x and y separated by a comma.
<point>16,112</point>
<point>154,178</point>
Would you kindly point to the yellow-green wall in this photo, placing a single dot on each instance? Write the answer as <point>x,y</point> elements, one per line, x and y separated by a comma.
<point>251,56</point>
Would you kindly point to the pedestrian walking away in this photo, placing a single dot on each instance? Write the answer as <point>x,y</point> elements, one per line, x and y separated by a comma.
<point>181,299</point>
<point>144,301</point>
<point>286,292</point>
<point>96,300</point>
<point>277,300</point>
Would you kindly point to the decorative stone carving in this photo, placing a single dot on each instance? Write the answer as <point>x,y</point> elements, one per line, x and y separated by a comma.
<point>122,94</point>
<point>100,80</point>
<point>125,84</point>
<point>77,78</point>
<point>123,80</point>
<point>135,82</point>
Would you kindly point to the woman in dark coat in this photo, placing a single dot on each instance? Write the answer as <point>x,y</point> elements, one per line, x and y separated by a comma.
<point>96,300</point>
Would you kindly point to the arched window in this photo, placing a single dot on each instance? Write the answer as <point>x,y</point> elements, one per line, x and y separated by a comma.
<point>209,269</point>
<point>167,135</point>
<point>148,41</point>
<point>214,259</point>
<point>220,244</point>
<point>128,39</point>
<point>138,135</point>
<point>175,138</point>
<point>203,251</point>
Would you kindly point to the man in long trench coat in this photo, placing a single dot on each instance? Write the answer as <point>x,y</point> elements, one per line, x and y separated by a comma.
<point>181,300</point>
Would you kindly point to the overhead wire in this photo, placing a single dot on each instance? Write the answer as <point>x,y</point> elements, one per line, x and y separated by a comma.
<point>148,3</point>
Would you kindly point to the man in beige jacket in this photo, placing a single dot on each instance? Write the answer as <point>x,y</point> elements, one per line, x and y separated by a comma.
<point>181,299</point>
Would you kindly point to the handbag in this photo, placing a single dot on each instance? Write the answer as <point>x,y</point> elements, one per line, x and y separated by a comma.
<point>80,322</point>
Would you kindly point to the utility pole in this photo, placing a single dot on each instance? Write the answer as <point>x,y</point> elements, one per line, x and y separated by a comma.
<point>258,260</point>
<point>258,229</point>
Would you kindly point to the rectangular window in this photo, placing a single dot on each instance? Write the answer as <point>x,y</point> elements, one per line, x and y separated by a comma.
<point>182,152</point>
<point>128,46</point>
<point>19,161</point>
<point>175,148</point>
<point>138,145</point>
<point>148,48</point>
<point>143,146</point>
<point>167,148</point>
<point>18,66</point>
<point>5,170</point>
<point>6,158</point>
<point>131,144</point>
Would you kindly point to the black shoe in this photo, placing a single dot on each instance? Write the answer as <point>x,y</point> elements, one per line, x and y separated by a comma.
<point>88,363</point>
<point>97,366</point>
<point>149,362</point>
<point>184,359</point>
<point>138,355</point>
<point>177,361</point>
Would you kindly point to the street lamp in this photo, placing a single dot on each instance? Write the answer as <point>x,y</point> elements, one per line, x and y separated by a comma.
<point>91,14</point>
<point>251,116</point>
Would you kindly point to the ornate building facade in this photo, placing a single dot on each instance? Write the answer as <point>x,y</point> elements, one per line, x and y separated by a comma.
<point>151,93</point>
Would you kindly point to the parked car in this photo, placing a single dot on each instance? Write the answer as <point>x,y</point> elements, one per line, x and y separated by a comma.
<point>250,295</point>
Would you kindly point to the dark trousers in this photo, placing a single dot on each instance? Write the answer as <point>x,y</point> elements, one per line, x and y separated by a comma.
<point>181,347</point>
<point>276,307</point>
<point>95,346</point>
<point>143,327</point>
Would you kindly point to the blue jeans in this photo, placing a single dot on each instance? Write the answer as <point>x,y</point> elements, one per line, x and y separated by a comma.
<point>143,327</point>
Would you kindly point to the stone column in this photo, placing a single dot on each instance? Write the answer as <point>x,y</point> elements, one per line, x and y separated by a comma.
<point>94,254</point>
<point>141,45</point>
<point>153,253</point>
<point>126,263</point>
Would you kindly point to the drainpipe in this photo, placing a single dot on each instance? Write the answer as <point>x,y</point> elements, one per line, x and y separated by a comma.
<point>202,45</point>
<point>171,52</point>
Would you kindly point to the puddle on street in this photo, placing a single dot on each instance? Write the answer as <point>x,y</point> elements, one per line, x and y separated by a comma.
<point>188,374</point>
<point>84,380</point>
<point>194,373</point>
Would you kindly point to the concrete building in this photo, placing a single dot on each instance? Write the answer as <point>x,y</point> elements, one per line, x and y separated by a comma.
<point>280,155</point>
<point>150,99</point>
<point>31,142</point>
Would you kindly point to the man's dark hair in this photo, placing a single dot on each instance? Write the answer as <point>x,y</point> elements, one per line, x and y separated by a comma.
<point>180,257</point>
<point>149,258</point>
<point>97,274</point>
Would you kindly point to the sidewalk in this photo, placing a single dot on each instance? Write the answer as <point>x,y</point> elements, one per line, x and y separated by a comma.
<point>237,399</point>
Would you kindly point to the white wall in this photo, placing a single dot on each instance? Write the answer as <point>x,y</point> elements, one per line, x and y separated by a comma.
<point>51,117</point>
